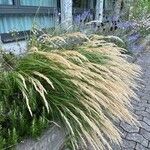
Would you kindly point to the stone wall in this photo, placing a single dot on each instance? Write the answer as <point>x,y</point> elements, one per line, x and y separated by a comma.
<point>14,47</point>
<point>52,139</point>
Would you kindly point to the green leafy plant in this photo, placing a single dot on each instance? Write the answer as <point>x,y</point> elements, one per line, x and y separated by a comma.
<point>140,9</point>
<point>84,89</point>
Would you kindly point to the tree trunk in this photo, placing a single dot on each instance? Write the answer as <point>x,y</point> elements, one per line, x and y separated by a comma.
<point>127,7</point>
<point>99,10</point>
<point>117,9</point>
<point>66,14</point>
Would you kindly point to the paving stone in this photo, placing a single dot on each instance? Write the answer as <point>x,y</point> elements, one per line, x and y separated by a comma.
<point>137,138</point>
<point>145,126</point>
<point>128,144</point>
<point>114,147</point>
<point>149,145</point>
<point>126,149</point>
<point>147,72</point>
<point>129,128</point>
<point>140,93</point>
<point>146,80</point>
<point>147,91</point>
<point>145,119</point>
<point>143,113</point>
<point>135,102</point>
<point>148,110</point>
<point>144,103</point>
<point>140,147</point>
<point>140,118</point>
<point>123,132</point>
<point>141,108</point>
<point>145,134</point>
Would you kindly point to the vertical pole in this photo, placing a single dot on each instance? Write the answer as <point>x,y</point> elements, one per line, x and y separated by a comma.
<point>117,10</point>
<point>99,10</point>
<point>126,9</point>
<point>66,14</point>
<point>91,4</point>
<point>17,3</point>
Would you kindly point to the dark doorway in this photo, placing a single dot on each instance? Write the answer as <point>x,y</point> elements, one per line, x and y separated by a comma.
<point>84,4</point>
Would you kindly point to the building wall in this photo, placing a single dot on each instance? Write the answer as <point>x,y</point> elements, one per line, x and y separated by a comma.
<point>22,22</point>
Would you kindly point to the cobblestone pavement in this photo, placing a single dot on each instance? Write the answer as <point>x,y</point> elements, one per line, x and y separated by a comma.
<point>138,137</point>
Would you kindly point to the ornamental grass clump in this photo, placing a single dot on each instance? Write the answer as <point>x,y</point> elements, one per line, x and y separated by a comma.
<point>86,90</point>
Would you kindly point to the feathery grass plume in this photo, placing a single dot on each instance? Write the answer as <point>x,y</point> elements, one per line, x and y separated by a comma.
<point>63,41</point>
<point>111,38</point>
<point>111,92</point>
<point>86,89</point>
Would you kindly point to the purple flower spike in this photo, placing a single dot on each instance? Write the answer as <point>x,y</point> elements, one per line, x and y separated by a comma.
<point>81,18</point>
<point>134,37</point>
<point>77,19</point>
<point>84,15</point>
<point>137,47</point>
<point>124,25</point>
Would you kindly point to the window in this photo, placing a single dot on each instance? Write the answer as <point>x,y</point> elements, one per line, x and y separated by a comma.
<point>84,4</point>
<point>19,15</point>
<point>6,2</point>
<point>27,6</point>
<point>79,6</point>
<point>45,3</point>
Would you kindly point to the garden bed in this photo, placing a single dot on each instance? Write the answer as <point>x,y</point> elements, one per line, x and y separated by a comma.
<point>85,87</point>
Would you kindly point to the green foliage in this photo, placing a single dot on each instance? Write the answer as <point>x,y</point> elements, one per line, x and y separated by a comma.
<point>2,142</point>
<point>75,88</point>
<point>140,9</point>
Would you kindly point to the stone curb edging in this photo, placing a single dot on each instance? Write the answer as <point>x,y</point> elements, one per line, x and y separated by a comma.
<point>52,139</point>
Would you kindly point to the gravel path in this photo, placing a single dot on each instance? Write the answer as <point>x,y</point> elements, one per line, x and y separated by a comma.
<point>138,138</point>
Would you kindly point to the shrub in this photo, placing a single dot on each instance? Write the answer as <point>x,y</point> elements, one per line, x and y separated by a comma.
<point>84,89</point>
